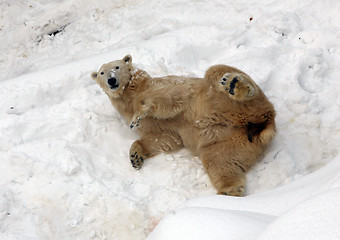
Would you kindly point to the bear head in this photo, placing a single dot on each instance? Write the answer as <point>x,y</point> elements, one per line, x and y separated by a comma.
<point>113,77</point>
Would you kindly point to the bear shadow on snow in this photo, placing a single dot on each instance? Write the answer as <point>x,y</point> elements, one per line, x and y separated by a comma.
<point>224,118</point>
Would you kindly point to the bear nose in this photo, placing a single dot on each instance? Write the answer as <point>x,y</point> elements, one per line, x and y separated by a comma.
<point>112,81</point>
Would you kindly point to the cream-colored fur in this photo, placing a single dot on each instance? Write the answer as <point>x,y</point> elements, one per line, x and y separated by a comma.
<point>224,118</point>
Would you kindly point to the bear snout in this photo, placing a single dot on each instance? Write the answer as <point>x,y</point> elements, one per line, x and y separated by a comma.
<point>112,83</point>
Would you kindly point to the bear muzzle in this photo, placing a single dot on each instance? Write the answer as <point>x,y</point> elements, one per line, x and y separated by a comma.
<point>112,81</point>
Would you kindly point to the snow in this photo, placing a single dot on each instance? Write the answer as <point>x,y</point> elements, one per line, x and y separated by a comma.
<point>65,172</point>
<point>304,209</point>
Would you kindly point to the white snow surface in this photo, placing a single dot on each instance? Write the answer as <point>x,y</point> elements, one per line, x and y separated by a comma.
<point>65,171</point>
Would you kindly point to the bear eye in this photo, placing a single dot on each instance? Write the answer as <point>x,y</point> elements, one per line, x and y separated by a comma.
<point>117,67</point>
<point>102,73</point>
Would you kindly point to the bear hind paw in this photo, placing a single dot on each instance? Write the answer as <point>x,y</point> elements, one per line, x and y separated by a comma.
<point>137,155</point>
<point>236,191</point>
<point>237,87</point>
<point>136,160</point>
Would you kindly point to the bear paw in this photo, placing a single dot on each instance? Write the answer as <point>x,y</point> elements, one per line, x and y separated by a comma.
<point>142,110</point>
<point>137,118</point>
<point>135,122</point>
<point>136,160</point>
<point>232,191</point>
<point>238,87</point>
<point>236,191</point>
<point>137,155</point>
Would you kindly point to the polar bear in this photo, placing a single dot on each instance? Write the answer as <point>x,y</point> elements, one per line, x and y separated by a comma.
<point>224,118</point>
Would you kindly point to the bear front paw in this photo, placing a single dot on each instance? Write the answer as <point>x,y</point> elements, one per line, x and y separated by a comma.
<point>238,87</point>
<point>137,118</point>
<point>135,123</point>
<point>142,109</point>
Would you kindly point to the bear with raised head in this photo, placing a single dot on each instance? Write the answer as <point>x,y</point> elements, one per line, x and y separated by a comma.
<point>224,118</point>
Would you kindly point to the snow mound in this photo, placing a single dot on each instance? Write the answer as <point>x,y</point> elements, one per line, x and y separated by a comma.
<point>305,209</point>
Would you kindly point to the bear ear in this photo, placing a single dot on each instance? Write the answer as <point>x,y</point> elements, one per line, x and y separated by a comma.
<point>94,75</point>
<point>127,59</point>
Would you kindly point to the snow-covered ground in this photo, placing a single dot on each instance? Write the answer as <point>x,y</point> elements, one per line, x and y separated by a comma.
<point>64,167</point>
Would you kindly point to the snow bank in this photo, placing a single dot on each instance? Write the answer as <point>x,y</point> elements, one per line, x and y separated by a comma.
<point>65,172</point>
<point>305,209</point>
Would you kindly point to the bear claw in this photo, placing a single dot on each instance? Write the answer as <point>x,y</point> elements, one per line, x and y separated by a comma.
<point>135,123</point>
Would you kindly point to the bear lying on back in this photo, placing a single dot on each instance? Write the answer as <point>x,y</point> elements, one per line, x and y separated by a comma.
<point>224,118</point>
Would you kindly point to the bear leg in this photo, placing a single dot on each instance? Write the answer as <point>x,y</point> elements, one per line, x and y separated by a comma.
<point>238,86</point>
<point>152,145</point>
<point>228,180</point>
<point>227,162</point>
<point>165,102</point>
